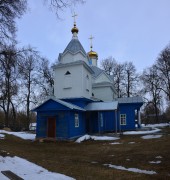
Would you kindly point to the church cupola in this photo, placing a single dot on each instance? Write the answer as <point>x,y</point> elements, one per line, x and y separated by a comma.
<point>92,55</point>
<point>74,30</point>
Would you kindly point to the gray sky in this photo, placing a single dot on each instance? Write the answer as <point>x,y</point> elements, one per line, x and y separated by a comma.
<point>128,30</point>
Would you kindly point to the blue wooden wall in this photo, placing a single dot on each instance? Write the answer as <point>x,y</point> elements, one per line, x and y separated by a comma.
<point>65,119</point>
<point>129,110</point>
<point>76,131</point>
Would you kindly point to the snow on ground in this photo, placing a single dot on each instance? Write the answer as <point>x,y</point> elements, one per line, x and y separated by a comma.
<point>157,125</point>
<point>96,138</point>
<point>131,143</point>
<point>2,136</point>
<point>141,132</point>
<point>158,157</point>
<point>27,170</point>
<point>154,162</point>
<point>115,143</point>
<point>151,136</point>
<point>136,170</point>
<point>23,135</point>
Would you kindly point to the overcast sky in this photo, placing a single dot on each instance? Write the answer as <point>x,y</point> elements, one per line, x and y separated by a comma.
<point>128,30</point>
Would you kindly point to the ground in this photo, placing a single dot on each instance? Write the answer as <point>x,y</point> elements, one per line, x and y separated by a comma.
<point>93,159</point>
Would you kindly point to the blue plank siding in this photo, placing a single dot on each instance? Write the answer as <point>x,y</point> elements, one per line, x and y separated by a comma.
<point>129,110</point>
<point>52,105</point>
<point>109,117</point>
<point>89,121</point>
<point>41,130</point>
<point>62,125</point>
<point>76,131</point>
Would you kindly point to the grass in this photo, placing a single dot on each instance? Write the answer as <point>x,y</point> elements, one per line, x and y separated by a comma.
<point>85,160</point>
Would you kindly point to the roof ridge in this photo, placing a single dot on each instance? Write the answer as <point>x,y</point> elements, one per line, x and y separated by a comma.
<point>75,46</point>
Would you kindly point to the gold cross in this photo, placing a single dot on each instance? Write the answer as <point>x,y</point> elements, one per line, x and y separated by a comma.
<point>91,38</point>
<point>74,16</point>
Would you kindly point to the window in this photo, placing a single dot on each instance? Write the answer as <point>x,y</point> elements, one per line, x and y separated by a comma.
<point>87,83</point>
<point>101,120</point>
<point>67,73</point>
<point>76,119</point>
<point>122,119</point>
<point>67,80</point>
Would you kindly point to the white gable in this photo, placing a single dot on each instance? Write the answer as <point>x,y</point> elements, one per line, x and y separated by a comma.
<point>103,77</point>
<point>69,57</point>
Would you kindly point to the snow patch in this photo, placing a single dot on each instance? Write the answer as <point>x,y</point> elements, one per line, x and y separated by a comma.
<point>141,132</point>
<point>115,143</point>
<point>2,136</point>
<point>151,136</point>
<point>23,135</point>
<point>154,162</point>
<point>136,170</point>
<point>158,157</point>
<point>112,155</point>
<point>131,143</point>
<point>96,138</point>
<point>27,170</point>
<point>94,162</point>
<point>157,125</point>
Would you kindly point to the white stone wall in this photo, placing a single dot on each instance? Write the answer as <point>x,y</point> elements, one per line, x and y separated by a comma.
<point>68,57</point>
<point>77,83</point>
<point>103,93</point>
<point>102,78</point>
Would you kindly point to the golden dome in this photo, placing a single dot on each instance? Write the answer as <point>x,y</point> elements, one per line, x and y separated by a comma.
<point>74,29</point>
<point>93,54</point>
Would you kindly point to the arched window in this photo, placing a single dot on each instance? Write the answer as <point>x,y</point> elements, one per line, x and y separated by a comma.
<point>67,80</point>
<point>67,73</point>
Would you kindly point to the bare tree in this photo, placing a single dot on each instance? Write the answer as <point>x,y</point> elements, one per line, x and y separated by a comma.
<point>163,66</point>
<point>118,78</point>
<point>108,65</point>
<point>151,89</point>
<point>130,79</point>
<point>8,80</point>
<point>9,11</point>
<point>45,80</point>
<point>60,5</point>
<point>28,67</point>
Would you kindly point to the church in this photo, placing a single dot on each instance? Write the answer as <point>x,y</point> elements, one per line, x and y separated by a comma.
<point>84,100</point>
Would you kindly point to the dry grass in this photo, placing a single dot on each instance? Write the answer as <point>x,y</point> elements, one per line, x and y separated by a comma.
<point>85,160</point>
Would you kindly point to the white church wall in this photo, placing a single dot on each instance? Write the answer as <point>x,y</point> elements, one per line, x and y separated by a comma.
<point>73,84</point>
<point>103,93</point>
<point>102,78</point>
<point>68,57</point>
<point>87,83</point>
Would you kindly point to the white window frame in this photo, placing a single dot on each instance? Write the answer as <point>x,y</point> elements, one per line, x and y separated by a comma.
<point>122,119</point>
<point>76,120</point>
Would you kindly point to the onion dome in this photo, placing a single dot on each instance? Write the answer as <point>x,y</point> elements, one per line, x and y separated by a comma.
<point>92,54</point>
<point>74,29</point>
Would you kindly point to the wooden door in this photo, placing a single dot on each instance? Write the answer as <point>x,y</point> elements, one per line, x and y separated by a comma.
<point>51,131</point>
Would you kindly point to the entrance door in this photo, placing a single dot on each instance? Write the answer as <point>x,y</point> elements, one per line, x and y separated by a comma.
<point>51,127</point>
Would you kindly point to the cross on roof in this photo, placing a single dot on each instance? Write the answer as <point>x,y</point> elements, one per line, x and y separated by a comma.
<point>74,16</point>
<point>91,39</point>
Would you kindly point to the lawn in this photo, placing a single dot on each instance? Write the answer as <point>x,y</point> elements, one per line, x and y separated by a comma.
<point>86,160</point>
